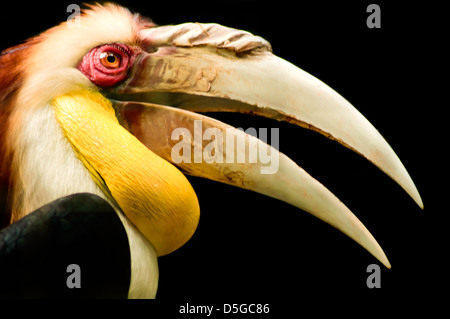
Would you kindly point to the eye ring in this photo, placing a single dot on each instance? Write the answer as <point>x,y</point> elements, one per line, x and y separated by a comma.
<point>107,64</point>
<point>110,60</point>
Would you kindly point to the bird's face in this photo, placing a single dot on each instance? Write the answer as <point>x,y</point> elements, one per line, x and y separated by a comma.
<point>126,95</point>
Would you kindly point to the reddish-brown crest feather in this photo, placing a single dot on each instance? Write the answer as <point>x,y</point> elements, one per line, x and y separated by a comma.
<point>11,77</point>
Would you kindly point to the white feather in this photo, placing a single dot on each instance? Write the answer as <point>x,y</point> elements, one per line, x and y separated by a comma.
<point>51,68</point>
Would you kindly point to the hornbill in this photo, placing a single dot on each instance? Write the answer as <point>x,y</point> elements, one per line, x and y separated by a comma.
<point>98,135</point>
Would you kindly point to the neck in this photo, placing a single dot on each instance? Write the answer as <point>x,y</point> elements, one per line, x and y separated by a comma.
<point>47,168</point>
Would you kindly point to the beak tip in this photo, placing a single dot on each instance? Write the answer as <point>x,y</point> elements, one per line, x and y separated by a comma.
<point>419,201</point>
<point>414,193</point>
<point>381,256</point>
<point>386,263</point>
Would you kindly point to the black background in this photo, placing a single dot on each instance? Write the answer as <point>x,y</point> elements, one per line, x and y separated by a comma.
<point>253,249</point>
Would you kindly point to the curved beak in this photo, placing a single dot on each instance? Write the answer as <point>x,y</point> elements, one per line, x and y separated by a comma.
<point>194,67</point>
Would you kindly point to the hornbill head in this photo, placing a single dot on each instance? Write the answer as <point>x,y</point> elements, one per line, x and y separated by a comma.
<point>108,106</point>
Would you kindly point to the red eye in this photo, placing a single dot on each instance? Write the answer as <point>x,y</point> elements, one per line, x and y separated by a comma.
<point>107,64</point>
